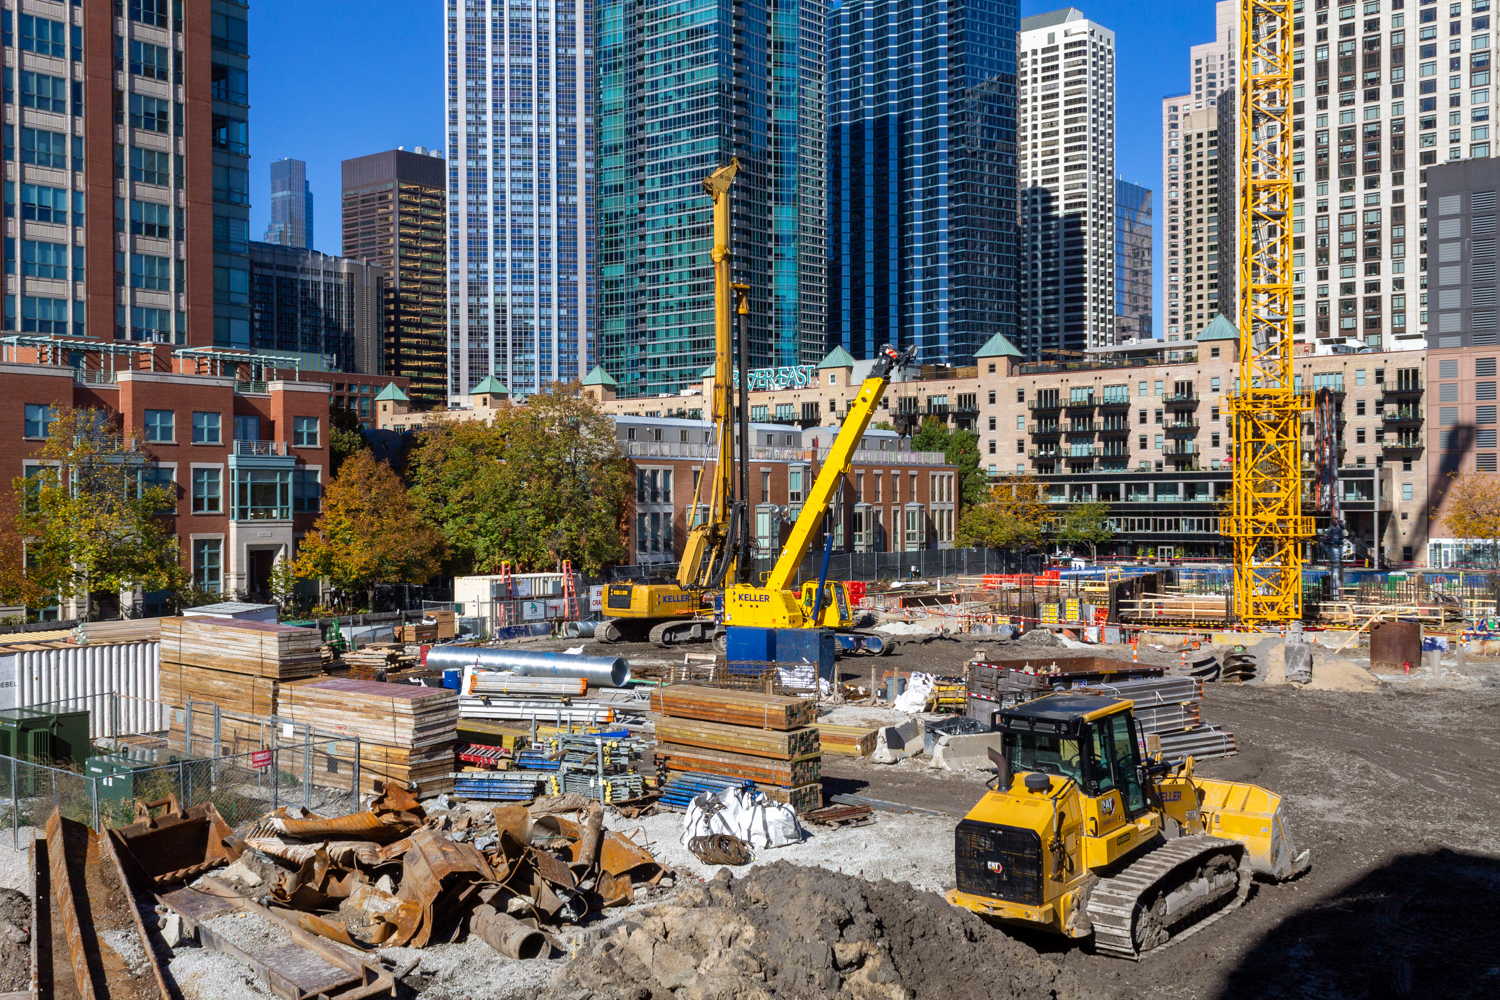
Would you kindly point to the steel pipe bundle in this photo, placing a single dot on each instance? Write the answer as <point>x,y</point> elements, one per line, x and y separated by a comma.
<point>489,683</point>
<point>599,671</point>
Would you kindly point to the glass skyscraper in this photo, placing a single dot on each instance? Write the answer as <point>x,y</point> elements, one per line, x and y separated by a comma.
<point>520,111</point>
<point>291,205</point>
<point>683,88</point>
<point>922,176</point>
<point>1132,262</point>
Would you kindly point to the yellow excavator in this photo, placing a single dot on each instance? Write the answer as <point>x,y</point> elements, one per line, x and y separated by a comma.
<point>770,604</point>
<point>717,545</point>
<point>1089,832</point>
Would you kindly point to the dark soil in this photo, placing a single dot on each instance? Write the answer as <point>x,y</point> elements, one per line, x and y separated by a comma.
<point>786,931</point>
<point>15,956</point>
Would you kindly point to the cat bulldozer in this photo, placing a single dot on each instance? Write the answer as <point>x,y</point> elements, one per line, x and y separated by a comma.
<point>1089,832</point>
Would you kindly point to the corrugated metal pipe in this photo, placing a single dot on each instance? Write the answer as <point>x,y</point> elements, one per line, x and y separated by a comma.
<point>599,671</point>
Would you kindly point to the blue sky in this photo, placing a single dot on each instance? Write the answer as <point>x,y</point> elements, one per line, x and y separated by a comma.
<point>336,79</point>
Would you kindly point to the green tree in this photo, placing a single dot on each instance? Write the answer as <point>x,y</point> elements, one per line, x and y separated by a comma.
<point>1013,519</point>
<point>346,437</point>
<point>369,533</point>
<point>283,584</point>
<point>1086,523</point>
<point>89,522</point>
<point>543,482</point>
<point>960,448</point>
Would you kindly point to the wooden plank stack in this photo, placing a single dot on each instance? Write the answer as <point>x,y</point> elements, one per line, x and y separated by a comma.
<point>238,665</point>
<point>377,662</point>
<point>767,739</point>
<point>407,733</point>
<point>852,741</point>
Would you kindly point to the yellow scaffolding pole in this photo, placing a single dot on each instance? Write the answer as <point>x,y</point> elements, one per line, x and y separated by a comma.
<point>1266,521</point>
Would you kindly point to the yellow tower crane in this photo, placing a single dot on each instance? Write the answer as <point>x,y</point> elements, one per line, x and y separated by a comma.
<point>1265,408</point>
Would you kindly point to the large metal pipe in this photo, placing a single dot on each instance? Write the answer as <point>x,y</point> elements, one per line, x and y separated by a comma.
<point>599,671</point>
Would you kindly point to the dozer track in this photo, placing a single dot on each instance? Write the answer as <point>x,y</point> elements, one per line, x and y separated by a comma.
<point>1155,899</point>
<point>678,632</point>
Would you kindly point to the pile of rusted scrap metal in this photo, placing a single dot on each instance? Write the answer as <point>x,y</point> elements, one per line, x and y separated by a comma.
<point>414,880</point>
<point>388,876</point>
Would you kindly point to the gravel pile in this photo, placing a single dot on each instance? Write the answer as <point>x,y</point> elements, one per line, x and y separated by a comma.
<point>1041,637</point>
<point>785,931</point>
<point>15,956</point>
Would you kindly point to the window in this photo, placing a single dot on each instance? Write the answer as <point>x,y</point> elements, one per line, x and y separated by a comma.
<point>992,423</point>
<point>148,218</point>
<point>42,36</point>
<point>794,484</point>
<point>150,113</point>
<point>1447,416</point>
<point>992,397</point>
<point>151,61</point>
<point>1484,462</point>
<point>44,204</point>
<point>44,260</point>
<point>207,491</point>
<point>45,315</point>
<point>43,92</point>
<point>44,148</point>
<point>232,286</point>
<point>307,491</point>
<point>305,432</point>
<point>152,12</point>
<point>765,487</point>
<point>1406,491</point>
<point>159,426</point>
<point>232,134</point>
<point>206,427</point>
<point>262,494</point>
<point>230,84</point>
<point>229,33</point>
<point>1448,368</point>
<point>38,420</point>
<point>150,271</point>
<point>150,166</point>
<point>1021,422</point>
<point>160,477</point>
<point>207,553</point>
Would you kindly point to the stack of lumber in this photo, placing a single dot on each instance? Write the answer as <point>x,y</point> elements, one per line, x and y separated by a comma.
<point>407,733</point>
<point>766,739</point>
<point>852,741</point>
<point>377,662</point>
<point>123,630</point>
<point>417,633</point>
<point>238,665</point>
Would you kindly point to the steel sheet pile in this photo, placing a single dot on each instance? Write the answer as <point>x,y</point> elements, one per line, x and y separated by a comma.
<point>711,739</point>
<point>1169,707</point>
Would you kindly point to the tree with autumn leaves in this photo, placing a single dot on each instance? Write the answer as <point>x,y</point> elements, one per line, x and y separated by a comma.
<point>1471,509</point>
<point>369,532</point>
<point>541,483</point>
<point>1014,519</point>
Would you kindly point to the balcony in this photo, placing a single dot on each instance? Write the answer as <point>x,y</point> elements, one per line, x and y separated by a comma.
<point>1049,454</point>
<point>1083,427</point>
<point>1182,427</point>
<point>1409,445</point>
<point>1180,398</point>
<point>1049,430</point>
<point>1044,405</point>
<point>1119,428</point>
<point>1114,403</point>
<point>1402,387</point>
<point>1404,415</point>
<point>261,449</point>
<point>1085,403</point>
<point>1180,450</point>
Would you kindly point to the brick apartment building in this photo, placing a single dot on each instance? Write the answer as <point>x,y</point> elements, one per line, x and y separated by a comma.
<point>1141,426</point>
<point>243,442</point>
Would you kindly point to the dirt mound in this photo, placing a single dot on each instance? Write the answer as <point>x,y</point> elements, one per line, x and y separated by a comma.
<point>1041,637</point>
<point>1330,671</point>
<point>785,931</point>
<point>15,955</point>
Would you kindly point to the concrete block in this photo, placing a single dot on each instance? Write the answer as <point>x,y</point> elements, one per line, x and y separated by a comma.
<point>969,752</point>
<point>893,743</point>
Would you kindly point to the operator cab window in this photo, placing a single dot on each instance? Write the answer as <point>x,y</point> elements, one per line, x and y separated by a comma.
<point>1046,754</point>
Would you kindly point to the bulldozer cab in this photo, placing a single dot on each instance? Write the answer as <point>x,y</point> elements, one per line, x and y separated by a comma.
<point>1090,739</point>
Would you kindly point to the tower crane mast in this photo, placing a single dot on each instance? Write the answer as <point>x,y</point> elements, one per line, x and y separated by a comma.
<point>1266,522</point>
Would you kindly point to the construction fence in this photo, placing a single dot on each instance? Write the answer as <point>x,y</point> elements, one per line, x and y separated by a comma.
<point>241,786</point>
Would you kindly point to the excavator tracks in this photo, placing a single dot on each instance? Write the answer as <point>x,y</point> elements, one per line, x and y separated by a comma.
<point>1153,901</point>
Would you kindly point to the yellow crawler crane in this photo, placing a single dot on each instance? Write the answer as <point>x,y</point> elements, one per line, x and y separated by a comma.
<point>1082,837</point>
<point>1265,410</point>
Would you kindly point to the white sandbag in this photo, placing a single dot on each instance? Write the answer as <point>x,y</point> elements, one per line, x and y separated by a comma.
<point>914,698</point>
<point>750,816</point>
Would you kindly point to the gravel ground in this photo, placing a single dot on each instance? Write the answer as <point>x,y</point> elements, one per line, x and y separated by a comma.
<point>901,847</point>
<point>15,865</point>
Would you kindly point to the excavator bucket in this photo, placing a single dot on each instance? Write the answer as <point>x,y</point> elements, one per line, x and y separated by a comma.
<point>1251,815</point>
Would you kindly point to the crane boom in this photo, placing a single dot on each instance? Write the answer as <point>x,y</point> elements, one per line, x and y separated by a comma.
<point>771,604</point>
<point>1266,522</point>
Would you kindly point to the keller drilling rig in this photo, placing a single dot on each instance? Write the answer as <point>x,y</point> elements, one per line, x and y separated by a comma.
<point>1265,409</point>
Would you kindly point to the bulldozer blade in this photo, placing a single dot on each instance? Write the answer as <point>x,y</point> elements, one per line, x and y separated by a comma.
<point>1252,816</point>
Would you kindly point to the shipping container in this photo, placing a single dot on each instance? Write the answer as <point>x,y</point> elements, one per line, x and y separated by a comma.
<point>119,684</point>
